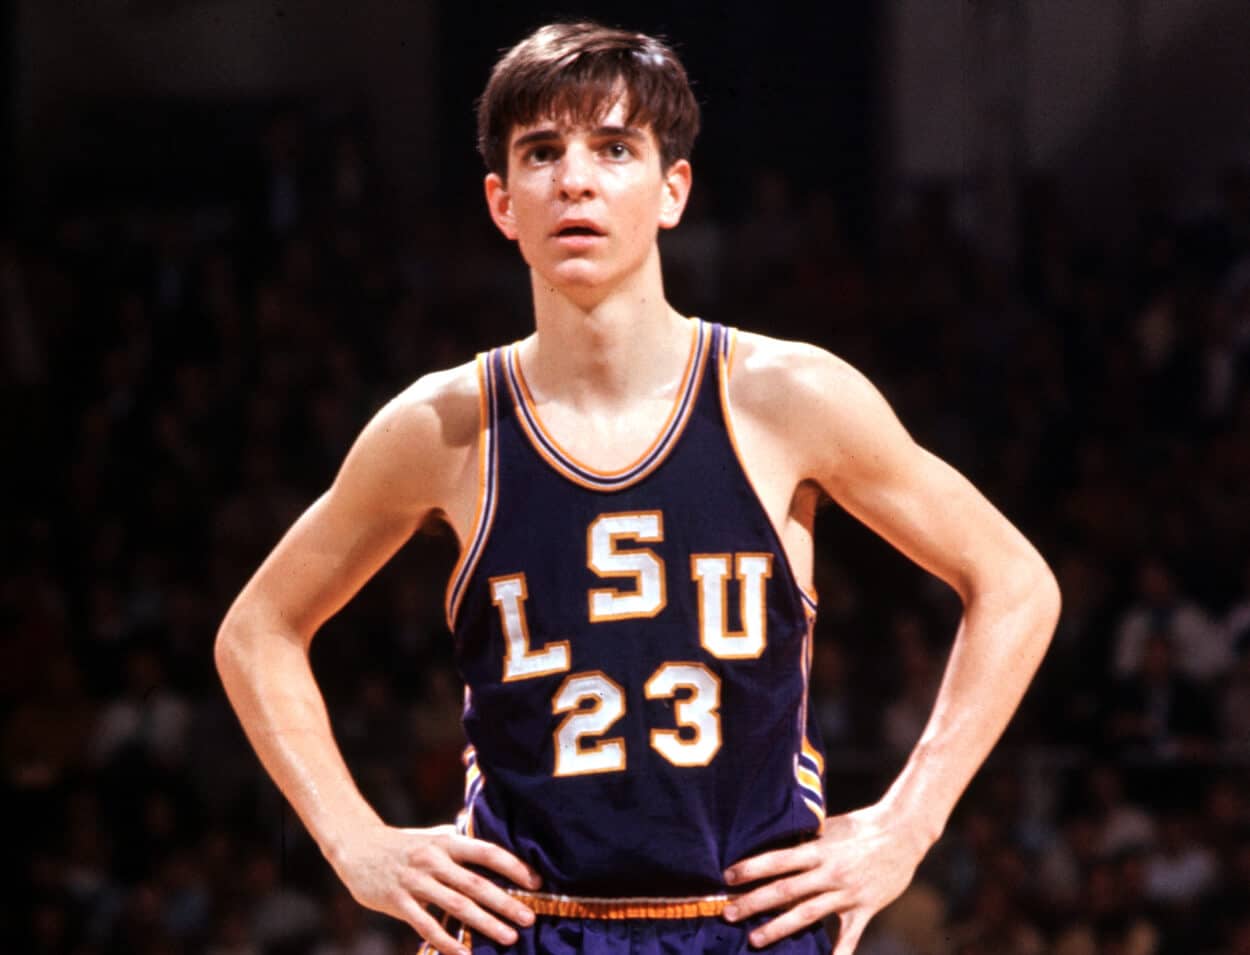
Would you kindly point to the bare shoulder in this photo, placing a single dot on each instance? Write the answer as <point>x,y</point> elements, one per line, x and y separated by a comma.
<point>448,402</point>
<point>415,449</point>
<point>803,393</point>
<point>766,370</point>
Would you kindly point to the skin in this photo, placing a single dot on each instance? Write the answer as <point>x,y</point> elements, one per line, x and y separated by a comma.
<point>604,364</point>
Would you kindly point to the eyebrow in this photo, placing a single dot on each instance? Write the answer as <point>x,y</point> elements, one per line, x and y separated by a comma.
<point>546,134</point>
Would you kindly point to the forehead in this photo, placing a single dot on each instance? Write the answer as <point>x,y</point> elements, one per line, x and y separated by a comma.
<point>562,123</point>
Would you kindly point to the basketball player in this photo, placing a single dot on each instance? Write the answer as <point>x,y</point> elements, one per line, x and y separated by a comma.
<point>633,491</point>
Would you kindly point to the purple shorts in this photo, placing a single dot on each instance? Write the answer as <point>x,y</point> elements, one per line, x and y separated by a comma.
<point>583,926</point>
<point>701,935</point>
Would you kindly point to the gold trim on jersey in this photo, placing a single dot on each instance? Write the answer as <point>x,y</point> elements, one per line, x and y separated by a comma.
<point>575,907</point>
<point>809,778</point>
<point>813,754</point>
<point>817,810</point>
<point>551,451</point>
<point>487,484</point>
<point>474,780</point>
<point>809,765</point>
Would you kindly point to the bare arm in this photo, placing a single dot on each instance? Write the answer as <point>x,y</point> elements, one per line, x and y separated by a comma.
<point>931,513</point>
<point>321,562</point>
<point>849,441</point>
<point>410,460</point>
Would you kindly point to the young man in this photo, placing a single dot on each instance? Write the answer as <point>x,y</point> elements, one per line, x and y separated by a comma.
<point>634,494</point>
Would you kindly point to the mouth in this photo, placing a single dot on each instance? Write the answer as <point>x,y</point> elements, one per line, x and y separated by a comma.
<point>578,230</point>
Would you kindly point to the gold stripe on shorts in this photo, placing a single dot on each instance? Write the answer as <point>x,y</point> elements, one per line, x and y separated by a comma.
<point>568,906</point>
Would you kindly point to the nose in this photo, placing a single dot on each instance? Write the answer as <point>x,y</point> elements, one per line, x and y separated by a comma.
<point>574,174</point>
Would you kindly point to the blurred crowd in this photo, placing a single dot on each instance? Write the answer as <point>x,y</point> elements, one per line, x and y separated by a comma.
<point>183,380</point>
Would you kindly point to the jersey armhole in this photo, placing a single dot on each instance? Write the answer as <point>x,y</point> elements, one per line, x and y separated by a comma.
<point>725,359</point>
<point>487,482</point>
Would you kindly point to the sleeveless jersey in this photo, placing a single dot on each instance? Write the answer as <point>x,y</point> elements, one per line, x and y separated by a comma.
<point>635,650</point>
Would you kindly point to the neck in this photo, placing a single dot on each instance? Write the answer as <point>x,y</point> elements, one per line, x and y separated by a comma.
<point>602,348</point>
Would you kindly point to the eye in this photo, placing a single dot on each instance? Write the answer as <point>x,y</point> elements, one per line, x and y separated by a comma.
<point>541,154</point>
<point>618,149</point>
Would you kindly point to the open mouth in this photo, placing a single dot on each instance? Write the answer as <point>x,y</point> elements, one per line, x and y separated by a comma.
<point>573,230</point>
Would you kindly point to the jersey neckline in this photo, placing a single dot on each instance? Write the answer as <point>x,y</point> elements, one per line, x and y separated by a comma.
<point>550,450</point>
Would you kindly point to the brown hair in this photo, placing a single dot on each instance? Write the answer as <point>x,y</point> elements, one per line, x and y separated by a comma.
<point>576,71</point>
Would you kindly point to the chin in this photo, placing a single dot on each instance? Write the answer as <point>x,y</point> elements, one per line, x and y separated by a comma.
<point>577,275</point>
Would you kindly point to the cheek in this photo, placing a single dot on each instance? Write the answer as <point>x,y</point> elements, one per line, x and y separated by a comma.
<point>526,224</point>
<point>649,224</point>
<point>526,245</point>
<point>644,215</point>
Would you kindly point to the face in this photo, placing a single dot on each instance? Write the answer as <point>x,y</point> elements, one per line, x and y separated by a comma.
<point>584,203</point>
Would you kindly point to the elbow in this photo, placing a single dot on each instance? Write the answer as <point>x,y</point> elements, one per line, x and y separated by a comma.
<point>235,641</point>
<point>1020,584</point>
<point>1038,591</point>
<point>252,640</point>
<point>1049,595</point>
<point>226,649</point>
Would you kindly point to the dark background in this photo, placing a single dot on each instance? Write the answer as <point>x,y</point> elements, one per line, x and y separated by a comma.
<point>232,231</point>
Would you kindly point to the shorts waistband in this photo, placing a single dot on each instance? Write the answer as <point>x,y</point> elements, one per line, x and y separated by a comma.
<point>583,907</point>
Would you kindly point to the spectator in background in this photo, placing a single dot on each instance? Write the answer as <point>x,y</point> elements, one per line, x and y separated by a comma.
<point>1201,645</point>
<point>150,717</point>
<point>278,200</point>
<point>1063,865</point>
<point>280,913</point>
<point>1158,711</point>
<point>1123,824</point>
<point>1180,870</point>
<point>1113,913</point>
<point>1070,691</point>
<point>1226,911</point>
<point>348,931</point>
<point>1237,620</point>
<point>995,925</point>
<point>914,924</point>
<point>186,902</point>
<point>231,935</point>
<point>44,736</point>
<point>86,871</point>
<point>1234,707</point>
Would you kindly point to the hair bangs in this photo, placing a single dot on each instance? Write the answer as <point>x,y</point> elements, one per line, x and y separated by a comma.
<point>576,73</point>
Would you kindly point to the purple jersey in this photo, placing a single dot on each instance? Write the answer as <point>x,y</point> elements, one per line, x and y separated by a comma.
<point>636,651</point>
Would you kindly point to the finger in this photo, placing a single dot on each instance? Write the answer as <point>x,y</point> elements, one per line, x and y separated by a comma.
<point>851,929</point>
<point>480,852</point>
<point>485,892</point>
<point>467,911</point>
<point>772,863</point>
<point>775,895</point>
<point>806,913</point>
<point>428,927</point>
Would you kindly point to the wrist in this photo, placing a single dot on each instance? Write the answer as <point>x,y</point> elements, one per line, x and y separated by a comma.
<point>337,842</point>
<point>923,825</point>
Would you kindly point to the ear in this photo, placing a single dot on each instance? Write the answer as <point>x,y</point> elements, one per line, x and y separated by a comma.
<point>677,182</point>
<point>499,202</point>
